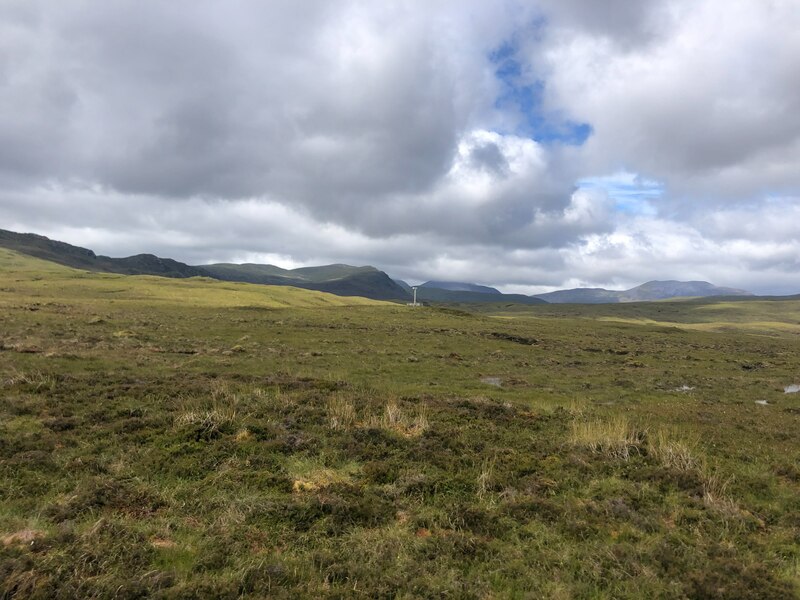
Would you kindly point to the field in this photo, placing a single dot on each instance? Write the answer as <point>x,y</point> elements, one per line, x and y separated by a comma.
<point>200,439</point>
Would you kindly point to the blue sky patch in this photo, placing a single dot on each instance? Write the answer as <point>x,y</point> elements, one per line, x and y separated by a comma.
<point>524,96</point>
<point>632,193</point>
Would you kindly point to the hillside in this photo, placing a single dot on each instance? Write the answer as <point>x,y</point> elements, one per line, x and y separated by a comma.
<point>342,280</point>
<point>460,286</point>
<point>31,278</point>
<point>83,258</point>
<point>250,273</point>
<point>652,290</point>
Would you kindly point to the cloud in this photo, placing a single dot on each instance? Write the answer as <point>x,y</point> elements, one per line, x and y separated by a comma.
<point>526,144</point>
<point>707,103</point>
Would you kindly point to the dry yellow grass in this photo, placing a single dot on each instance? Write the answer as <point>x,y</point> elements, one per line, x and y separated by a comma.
<point>310,475</point>
<point>341,413</point>
<point>675,453</point>
<point>615,438</point>
<point>406,423</point>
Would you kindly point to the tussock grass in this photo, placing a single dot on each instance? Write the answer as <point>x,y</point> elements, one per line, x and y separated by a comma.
<point>405,422</point>
<point>715,493</point>
<point>210,417</point>
<point>312,474</point>
<point>682,455</point>
<point>615,438</point>
<point>341,413</point>
<point>675,453</point>
<point>210,421</point>
<point>36,379</point>
<point>484,478</point>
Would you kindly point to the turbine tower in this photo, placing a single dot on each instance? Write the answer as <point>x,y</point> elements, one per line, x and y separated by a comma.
<point>414,303</point>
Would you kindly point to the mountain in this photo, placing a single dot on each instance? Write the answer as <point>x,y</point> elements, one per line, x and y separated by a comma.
<point>464,293</point>
<point>331,272</point>
<point>342,280</point>
<point>459,286</point>
<point>432,294</point>
<point>81,258</point>
<point>652,290</point>
<point>404,285</point>
<point>373,284</point>
<point>661,290</point>
<point>581,296</point>
<point>345,280</point>
<point>250,273</point>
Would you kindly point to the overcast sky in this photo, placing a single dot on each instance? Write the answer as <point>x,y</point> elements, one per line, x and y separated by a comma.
<point>526,144</point>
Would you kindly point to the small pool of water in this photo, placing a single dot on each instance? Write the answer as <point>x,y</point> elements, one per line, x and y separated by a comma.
<point>791,389</point>
<point>495,381</point>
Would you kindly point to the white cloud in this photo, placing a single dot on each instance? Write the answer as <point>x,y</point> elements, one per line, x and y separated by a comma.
<point>707,102</point>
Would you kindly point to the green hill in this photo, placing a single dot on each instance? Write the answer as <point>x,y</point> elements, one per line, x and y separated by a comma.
<point>343,280</point>
<point>31,278</point>
<point>83,258</point>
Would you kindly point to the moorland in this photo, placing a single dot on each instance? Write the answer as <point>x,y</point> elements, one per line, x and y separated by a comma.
<point>197,438</point>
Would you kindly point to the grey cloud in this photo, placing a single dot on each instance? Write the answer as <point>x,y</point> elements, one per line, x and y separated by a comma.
<point>181,102</point>
<point>621,21</point>
<point>489,156</point>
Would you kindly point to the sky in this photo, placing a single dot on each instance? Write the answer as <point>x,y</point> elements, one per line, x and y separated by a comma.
<point>529,145</point>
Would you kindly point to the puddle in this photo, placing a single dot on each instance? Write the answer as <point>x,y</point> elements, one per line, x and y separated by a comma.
<point>762,402</point>
<point>495,381</point>
<point>791,389</point>
<point>684,388</point>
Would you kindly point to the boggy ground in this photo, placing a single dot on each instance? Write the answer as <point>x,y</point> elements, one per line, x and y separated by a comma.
<point>193,444</point>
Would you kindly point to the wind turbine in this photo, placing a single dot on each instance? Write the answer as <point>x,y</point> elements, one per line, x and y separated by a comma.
<point>414,303</point>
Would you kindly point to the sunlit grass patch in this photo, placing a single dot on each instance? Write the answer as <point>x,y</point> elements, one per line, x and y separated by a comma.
<point>311,474</point>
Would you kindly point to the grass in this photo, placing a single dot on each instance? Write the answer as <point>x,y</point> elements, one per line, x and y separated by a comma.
<point>614,439</point>
<point>249,442</point>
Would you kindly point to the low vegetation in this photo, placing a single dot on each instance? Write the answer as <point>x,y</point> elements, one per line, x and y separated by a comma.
<point>247,442</point>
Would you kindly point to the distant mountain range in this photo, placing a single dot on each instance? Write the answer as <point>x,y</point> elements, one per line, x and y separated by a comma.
<point>345,280</point>
<point>342,280</point>
<point>652,290</point>
<point>459,286</point>
<point>428,293</point>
